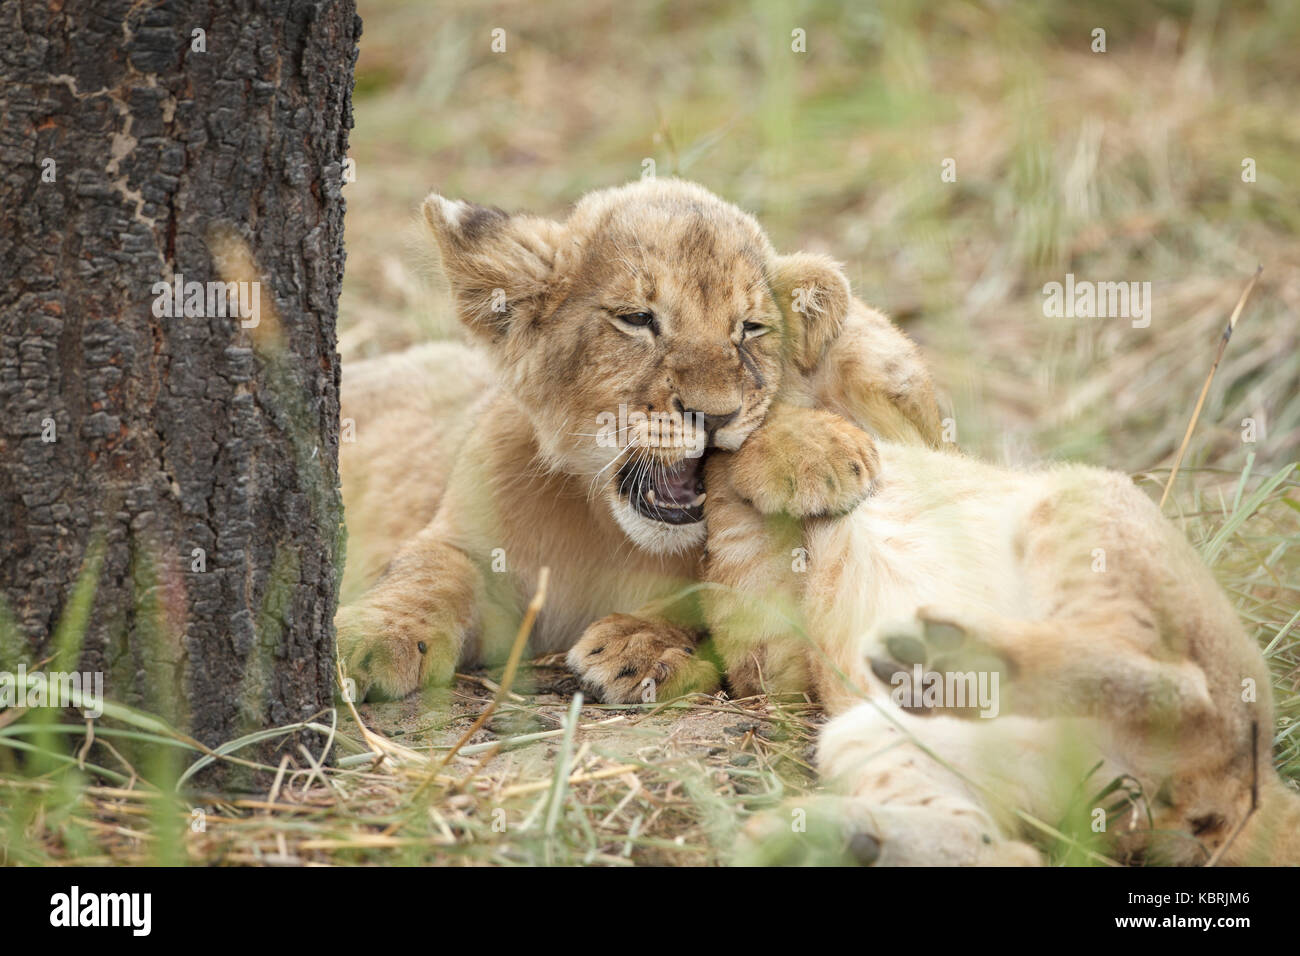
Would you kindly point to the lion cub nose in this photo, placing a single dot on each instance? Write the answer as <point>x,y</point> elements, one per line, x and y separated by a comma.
<point>712,422</point>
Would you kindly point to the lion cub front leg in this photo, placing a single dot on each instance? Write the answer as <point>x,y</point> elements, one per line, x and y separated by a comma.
<point>407,631</point>
<point>800,463</point>
<point>806,463</point>
<point>752,599</point>
<point>624,659</point>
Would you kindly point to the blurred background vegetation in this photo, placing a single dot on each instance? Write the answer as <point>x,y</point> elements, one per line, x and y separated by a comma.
<point>1122,165</point>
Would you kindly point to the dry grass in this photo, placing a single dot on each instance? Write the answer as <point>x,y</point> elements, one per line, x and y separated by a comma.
<point>537,786</point>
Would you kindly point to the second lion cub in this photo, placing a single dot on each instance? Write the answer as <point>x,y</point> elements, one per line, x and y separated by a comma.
<point>1110,650</point>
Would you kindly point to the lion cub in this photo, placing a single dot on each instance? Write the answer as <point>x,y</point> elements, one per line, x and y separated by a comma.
<point>1108,648</point>
<point>617,351</point>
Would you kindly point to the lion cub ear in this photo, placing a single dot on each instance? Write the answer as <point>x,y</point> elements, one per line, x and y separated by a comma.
<point>813,295</point>
<point>500,266</point>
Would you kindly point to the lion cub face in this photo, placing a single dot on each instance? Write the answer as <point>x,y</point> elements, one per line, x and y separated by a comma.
<point>648,328</point>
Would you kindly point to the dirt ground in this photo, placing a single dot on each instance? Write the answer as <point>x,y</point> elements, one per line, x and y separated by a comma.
<point>653,759</point>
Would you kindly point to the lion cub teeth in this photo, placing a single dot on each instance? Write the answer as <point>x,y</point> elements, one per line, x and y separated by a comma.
<point>652,499</point>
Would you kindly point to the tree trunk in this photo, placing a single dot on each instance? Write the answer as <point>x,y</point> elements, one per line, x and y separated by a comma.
<point>181,459</point>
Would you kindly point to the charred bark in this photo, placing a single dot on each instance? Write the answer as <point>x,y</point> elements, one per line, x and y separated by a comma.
<point>186,463</point>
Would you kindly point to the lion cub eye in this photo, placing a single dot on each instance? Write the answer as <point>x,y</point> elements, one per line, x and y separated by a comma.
<point>752,330</point>
<point>638,320</point>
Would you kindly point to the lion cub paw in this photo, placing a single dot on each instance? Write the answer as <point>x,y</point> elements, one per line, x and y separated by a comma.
<point>384,660</point>
<point>816,831</point>
<point>628,660</point>
<point>938,646</point>
<point>848,831</point>
<point>806,463</point>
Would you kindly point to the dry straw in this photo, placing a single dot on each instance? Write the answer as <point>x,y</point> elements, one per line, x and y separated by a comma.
<point>1205,389</point>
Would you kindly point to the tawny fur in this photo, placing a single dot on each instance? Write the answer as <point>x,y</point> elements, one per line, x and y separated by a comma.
<point>465,482</point>
<point>467,479</point>
<point>1113,641</point>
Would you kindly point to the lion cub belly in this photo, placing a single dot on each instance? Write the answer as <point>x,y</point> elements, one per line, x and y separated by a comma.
<point>941,533</point>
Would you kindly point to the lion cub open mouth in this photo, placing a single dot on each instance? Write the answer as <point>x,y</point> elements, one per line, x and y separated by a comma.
<point>671,493</point>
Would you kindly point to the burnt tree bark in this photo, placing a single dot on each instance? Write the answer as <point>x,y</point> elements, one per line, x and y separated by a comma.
<point>187,463</point>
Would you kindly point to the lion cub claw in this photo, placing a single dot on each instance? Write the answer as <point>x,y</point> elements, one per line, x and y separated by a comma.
<point>627,660</point>
<point>806,463</point>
